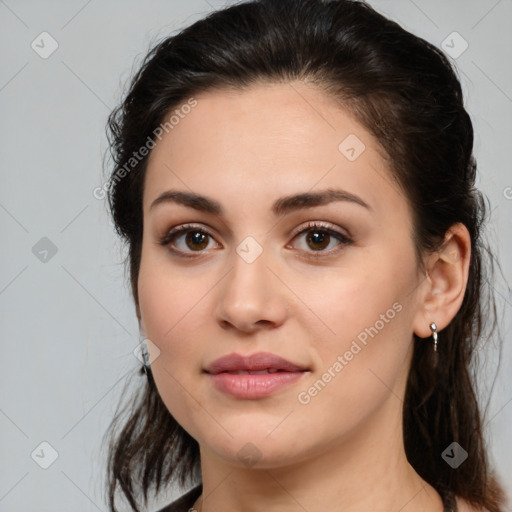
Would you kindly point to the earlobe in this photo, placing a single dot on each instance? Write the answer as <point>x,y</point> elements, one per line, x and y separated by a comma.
<point>445,286</point>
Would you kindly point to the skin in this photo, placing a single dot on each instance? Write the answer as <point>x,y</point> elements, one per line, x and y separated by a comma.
<point>343,450</point>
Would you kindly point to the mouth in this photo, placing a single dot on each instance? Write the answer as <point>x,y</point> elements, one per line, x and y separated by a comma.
<point>259,363</point>
<point>254,372</point>
<point>253,377</point>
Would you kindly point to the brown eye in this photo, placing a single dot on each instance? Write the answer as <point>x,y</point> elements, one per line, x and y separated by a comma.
<point>318,239</point>
<point>196,240</point>
<point>187,239</point>
<point>321,239</point>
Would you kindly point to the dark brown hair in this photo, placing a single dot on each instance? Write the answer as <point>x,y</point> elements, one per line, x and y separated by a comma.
<point>407,94</point>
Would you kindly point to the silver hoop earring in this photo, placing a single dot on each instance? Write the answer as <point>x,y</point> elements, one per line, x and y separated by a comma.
<point>433,328</point>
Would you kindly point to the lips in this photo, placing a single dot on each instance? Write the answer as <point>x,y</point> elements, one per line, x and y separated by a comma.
<point>259,363</point>
<point>253,377</point>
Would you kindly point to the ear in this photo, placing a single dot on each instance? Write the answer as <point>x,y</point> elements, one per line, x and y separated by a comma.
<point>447,276</point>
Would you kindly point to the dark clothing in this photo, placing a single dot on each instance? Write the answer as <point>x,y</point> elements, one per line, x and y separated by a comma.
<point>185,502</point>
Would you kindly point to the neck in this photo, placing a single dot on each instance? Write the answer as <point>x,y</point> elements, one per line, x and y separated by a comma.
<point>367,470</point>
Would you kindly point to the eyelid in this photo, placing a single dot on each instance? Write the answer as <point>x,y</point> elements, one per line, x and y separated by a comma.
<point>312,224</point>
<point>168,236</point>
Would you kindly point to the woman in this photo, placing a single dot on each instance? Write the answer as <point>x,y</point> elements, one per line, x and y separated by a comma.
<point>295,183</point>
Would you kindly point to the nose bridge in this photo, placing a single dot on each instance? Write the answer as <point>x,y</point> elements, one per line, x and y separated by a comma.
<point>250,294</point>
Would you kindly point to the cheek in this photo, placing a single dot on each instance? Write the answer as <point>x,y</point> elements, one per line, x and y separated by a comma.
<point>363,353</point>
<point>167,297</point>
<point>172,317</point>
<point>356,303</point>
<point>358,374</point>
<point>163,308</point>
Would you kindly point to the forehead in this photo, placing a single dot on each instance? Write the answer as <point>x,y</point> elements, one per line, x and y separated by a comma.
<point>269,139</point>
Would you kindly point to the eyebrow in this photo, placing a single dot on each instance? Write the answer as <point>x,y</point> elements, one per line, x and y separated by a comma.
<point>280,207</point>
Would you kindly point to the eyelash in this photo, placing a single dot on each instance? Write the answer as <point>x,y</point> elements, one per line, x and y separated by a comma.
<point>175,233</point>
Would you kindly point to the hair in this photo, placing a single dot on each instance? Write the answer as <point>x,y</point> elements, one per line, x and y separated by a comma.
<point>406,93</point>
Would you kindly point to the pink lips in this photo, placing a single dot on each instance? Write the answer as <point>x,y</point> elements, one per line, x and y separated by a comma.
<point>254,376</point>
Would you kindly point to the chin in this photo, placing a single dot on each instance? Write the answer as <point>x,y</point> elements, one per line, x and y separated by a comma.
<point>256,454</point>
<point>254,448</point>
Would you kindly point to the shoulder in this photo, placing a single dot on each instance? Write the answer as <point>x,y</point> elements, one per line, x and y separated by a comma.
<point>185,502</point>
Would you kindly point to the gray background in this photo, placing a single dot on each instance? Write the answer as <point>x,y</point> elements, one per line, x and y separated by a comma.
<point>68,326</point>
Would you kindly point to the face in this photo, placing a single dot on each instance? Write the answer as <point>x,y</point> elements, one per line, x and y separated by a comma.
<point>263,260</point>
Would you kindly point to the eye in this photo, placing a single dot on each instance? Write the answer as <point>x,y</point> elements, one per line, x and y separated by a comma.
<point>320,236</point>
<point>190,238</point>
<point>187,238</point>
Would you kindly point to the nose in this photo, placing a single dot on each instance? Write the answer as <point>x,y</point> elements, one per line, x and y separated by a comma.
<point>251,296</point>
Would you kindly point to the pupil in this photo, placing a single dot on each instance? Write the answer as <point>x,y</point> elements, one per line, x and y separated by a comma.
<point>319,237</point>
<point>198,240</point>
